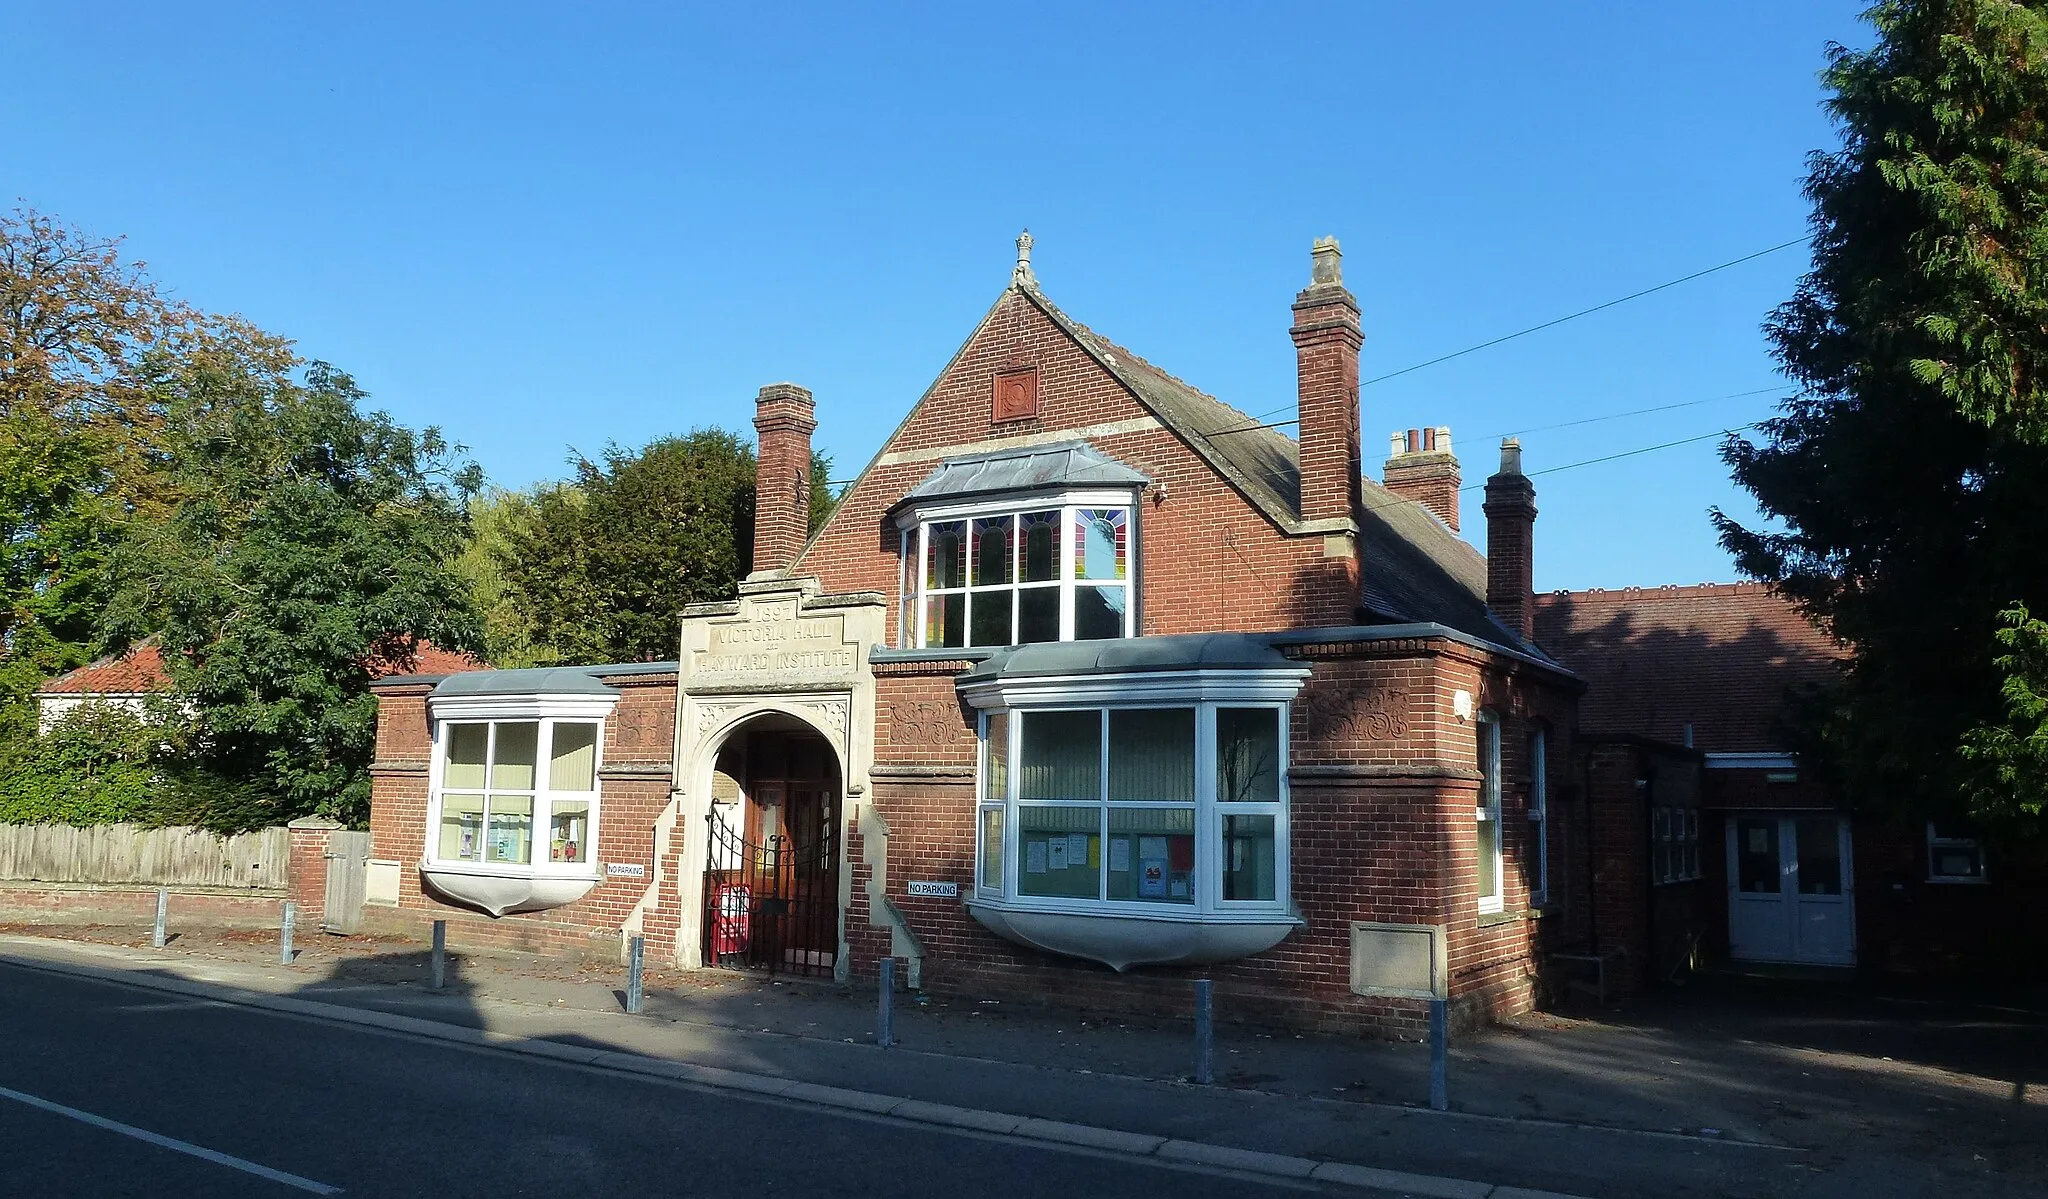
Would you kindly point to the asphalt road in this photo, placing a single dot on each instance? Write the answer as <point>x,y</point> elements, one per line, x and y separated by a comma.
<point>108,1090</point>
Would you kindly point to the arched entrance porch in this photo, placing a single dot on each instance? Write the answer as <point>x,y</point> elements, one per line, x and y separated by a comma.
<point>773,853</point>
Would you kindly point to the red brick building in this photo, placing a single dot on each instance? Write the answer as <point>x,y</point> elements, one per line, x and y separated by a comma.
<point>1711,844</point>
<point>1091,684</point>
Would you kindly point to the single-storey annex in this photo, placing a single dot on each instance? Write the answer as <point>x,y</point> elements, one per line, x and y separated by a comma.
<point>1090,683</point>
<point>1712,843</point>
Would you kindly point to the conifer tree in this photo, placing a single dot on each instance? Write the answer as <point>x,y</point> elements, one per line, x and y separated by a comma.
<point>1907,482</point>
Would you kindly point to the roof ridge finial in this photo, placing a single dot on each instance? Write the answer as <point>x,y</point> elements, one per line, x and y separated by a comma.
<point>1022,276</point>
<point>1326,263</point>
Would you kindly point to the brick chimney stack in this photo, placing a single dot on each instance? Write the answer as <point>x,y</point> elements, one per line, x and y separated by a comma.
<point>784,419</point>
<point>1510,543</point>
<point>1422,468</point>
<point>1326,341</point>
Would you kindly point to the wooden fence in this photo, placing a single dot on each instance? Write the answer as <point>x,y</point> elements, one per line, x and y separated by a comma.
<point>130,853</point>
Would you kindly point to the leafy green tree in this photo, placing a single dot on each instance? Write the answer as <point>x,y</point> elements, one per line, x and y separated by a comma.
<point>77,324</point>
<point>104,764</point>
<point>599,567</point>
<point>305,540</point>
<point>1908,481</point>
<point>495,516</point>
<point>2012,754</point>
<point>607,561</point>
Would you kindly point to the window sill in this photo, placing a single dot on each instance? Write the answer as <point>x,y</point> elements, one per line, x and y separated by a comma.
<point>1121,940</point>
<point>1957,880</point>
<point>500,890</point>
<point>1497,919</point>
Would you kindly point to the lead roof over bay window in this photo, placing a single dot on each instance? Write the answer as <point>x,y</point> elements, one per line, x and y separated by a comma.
<point>1030,545</point>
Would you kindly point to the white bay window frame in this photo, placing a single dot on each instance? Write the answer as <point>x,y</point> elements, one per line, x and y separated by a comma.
<point>915,535</point>
<point>1209,811</point>
<point>537,882</point>
<point>1125,932</point>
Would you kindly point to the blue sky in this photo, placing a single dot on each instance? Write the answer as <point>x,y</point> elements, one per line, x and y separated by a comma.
<point>550,226</point>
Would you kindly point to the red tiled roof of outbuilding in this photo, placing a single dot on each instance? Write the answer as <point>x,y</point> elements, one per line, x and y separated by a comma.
<point>137,672</point>
<point>141,671</point>
<point>1718,656</point>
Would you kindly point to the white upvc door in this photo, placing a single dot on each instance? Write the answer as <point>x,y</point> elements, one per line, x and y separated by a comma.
<point>1791,889</point>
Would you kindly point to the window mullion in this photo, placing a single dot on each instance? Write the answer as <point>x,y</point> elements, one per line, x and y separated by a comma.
<point>1066,557</point>
<point>483,853</point>
<point>1013,833</point>
<point>923,556</point>
<point>1208,850</point>
<point>1102,815</point>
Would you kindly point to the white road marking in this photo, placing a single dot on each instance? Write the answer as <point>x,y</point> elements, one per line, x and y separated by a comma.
<point>173,1143</point>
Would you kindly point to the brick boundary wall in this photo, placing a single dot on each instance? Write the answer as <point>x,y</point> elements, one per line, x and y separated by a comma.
<point>473,930</point>
<point>28,902</point>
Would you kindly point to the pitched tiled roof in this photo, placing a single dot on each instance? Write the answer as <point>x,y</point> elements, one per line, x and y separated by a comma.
<point>426,658</point>
<point>1718,656</point>
<point>137,672</point>
<point>141,671</point>
<point>1413,568</point>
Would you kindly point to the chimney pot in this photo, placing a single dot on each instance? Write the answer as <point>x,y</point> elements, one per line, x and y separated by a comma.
<point>1426,472</point>
<point>1326,263</point>
<point>1511,456</point>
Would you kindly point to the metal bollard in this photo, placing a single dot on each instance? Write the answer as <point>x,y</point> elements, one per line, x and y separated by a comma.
<point>163,914</point>
<point>636,952</point>
<point>1205,1032</point>
<point>885,1011</point>
<point>284,932</point>
<point>440,954</point>
<point>1439,1050</point>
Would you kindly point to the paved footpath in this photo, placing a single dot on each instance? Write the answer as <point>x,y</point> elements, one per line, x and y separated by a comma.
<point>1052,1098</point>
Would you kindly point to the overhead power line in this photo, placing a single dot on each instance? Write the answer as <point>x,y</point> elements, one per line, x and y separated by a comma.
<point>1567,424</point>
<point>1556,321</point>
<point>1549,324</point>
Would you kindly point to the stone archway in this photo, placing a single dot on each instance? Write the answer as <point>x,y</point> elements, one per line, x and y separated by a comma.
<point>774,848</point>
<point>781,652</point>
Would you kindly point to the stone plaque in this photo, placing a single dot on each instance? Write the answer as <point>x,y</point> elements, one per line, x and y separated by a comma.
<point>768,644</point>
<point>1405,961</point>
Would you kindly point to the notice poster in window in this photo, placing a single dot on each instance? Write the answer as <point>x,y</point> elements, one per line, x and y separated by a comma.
<point>1056,850</point>
<point>1034,857</point>
<point>1151,877</point>
<point>1152,847</point>
<point>1759,840</point>
<point>1077,849</point>
<point>1119,855</point>
<point>1177,887</point>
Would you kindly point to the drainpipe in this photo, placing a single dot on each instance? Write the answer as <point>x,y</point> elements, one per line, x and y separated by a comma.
<point>1646,788</point>
<point>1592,851</point>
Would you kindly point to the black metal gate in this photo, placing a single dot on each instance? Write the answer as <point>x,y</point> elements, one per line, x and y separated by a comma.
<point>772,906</point>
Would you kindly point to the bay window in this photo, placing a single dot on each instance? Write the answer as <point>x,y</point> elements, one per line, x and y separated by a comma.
<point>520,794</point>
<point>1165,808</point>
<point>1020,573</point>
